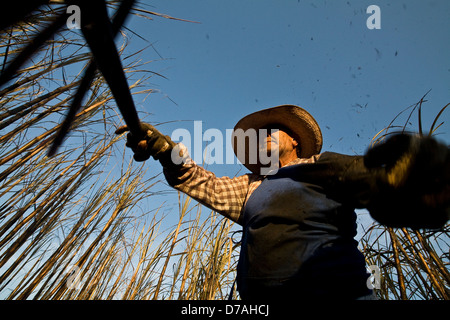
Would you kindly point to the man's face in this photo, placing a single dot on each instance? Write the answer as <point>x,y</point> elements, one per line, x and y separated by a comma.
<point>277,139</point>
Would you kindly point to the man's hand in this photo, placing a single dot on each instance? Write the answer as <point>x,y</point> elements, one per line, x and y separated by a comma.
<point>150,143</point>
<point>416,172</point>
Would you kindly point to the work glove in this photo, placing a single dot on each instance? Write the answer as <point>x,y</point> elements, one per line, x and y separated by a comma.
<point>151,143</point>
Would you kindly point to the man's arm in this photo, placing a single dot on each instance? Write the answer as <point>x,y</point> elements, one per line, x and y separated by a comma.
<point>224,195</point>
<point>403,182</point>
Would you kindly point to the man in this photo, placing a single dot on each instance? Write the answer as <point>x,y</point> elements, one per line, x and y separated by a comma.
<point>298,216</point>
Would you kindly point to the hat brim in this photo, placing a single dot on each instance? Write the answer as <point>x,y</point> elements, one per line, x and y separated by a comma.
<point>302,125</point>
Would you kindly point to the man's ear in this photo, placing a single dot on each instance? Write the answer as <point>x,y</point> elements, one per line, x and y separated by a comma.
<point>297,148</point>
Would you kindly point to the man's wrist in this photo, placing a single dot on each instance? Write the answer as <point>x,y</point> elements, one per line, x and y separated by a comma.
<point>176,156</point>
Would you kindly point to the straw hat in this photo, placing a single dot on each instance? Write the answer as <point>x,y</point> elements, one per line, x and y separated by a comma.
<point>302,125</point>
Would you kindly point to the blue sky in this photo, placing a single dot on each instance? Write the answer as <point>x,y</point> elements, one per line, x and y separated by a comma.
<point>247,55</point>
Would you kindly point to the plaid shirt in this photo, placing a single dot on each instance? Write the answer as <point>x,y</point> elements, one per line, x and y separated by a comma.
<point>224,195</point>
